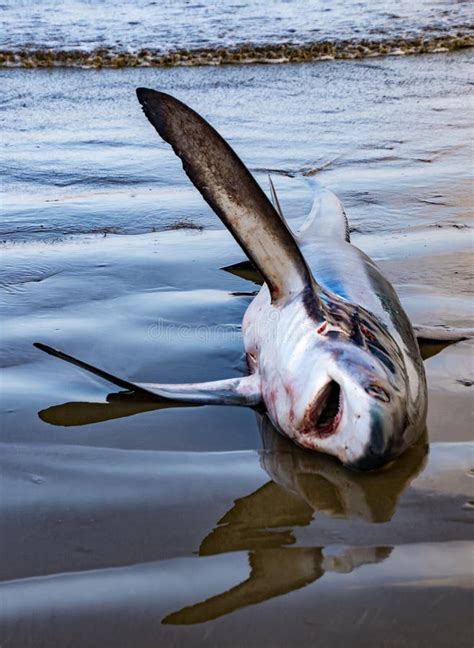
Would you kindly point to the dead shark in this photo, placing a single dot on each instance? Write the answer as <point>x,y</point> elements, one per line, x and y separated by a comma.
<point>332,355</point>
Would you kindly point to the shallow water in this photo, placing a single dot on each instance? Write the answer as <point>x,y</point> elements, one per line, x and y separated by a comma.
<point>173,24</point>
<point>126,524</point>
<point>390,137</point>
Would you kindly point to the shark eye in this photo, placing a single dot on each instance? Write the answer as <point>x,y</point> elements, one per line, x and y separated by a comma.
<point>378,392</point>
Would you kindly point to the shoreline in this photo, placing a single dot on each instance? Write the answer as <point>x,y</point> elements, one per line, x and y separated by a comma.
<point>245,54</point>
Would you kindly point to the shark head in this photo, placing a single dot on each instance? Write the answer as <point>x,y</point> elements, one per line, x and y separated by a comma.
<point>346,391</point>
<point>353,408</point>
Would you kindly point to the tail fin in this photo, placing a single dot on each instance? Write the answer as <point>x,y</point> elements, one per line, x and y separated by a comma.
<point>232,192</point>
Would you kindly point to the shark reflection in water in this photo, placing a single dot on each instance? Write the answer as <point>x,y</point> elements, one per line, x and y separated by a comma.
<point>303,485</point>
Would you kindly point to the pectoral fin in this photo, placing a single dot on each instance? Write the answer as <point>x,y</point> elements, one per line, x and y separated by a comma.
<point>433,339</point>
<point>233,391</point>
<point>232,192</point>
<point>442,333</point>
<point>245,270</point>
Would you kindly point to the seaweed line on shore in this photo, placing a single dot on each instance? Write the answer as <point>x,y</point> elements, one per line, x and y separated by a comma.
<point>242,54</point>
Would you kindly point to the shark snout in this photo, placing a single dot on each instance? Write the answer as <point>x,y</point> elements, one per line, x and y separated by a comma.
<point>380,444</point>
<point>372,460</point>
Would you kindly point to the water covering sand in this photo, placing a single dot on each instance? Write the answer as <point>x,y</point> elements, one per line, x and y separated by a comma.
<point>128,524</point>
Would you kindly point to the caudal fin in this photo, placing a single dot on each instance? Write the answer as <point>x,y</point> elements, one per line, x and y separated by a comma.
<point>232,192</point>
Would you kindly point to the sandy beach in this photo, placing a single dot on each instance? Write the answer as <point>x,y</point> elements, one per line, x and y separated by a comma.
<point>124,523</point>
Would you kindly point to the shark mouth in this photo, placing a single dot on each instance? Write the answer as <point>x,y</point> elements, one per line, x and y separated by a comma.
<point>324,415</point>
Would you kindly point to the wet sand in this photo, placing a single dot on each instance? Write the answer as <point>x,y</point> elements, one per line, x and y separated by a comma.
<point>126,524</point>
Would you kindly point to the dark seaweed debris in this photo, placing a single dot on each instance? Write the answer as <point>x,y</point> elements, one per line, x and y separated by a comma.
<point>246,53</point>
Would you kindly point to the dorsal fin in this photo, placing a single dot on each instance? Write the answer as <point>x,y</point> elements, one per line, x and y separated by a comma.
<point>232,192</point>
<point>327,217</point>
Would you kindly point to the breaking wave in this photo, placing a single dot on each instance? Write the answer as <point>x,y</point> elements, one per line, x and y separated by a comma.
<point>242,54</point>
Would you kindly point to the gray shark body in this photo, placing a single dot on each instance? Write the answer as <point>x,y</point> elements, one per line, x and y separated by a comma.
<point>358,343</point>
<point>331,353</point>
